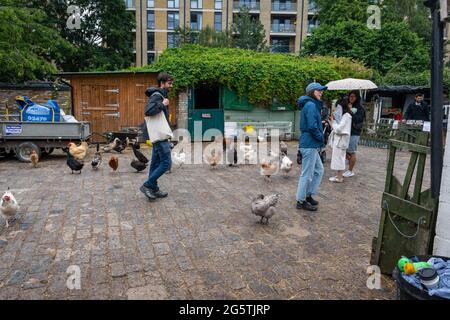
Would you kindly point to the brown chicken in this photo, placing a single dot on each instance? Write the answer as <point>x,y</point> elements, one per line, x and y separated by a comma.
<point>114,163</point>
<point>34,158</point>
<point>78,152</point>
<point>268,168</point>
<point>214,159</point>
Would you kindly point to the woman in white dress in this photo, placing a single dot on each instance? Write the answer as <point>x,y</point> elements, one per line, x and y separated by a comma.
<point>339,141</point>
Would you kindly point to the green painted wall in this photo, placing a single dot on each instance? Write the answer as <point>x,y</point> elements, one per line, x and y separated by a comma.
<point>263,114</point>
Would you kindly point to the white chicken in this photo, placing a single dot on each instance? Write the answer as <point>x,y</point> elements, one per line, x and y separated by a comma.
<point>8,206</point>
<point>178,159</point>
<point>286,165</point>
<point>264,206</point>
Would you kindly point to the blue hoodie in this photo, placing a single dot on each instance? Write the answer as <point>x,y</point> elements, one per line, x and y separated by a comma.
<point>310,123</point>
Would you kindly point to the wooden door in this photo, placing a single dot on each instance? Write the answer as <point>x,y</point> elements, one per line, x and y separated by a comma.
<point>100,106</point>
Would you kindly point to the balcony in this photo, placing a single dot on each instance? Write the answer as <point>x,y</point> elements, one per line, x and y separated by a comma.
<point>283,28</point>
<point>251,5</point>
<point>312,7</point>
<point>284,7</point>
<point>282,48</point>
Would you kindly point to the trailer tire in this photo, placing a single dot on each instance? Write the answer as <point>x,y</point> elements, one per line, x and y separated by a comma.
<point>24,151</point>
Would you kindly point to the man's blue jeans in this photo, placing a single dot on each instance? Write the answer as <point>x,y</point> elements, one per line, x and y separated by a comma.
<point>161,162</point>
<point>312,172</point>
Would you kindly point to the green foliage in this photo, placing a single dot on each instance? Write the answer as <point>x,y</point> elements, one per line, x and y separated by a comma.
<point>394,46</point>
<point>413,79</point>
<point>331,12</point>
<point>260,76</point>
<point>206,37</point>
<point>104,41</point>
<point>248,32</point>
<point>27,47</point>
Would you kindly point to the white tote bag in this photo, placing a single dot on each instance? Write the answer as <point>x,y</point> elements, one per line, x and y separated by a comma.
<point>158,128</point>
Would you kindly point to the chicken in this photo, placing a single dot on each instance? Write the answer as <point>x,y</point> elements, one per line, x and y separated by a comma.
<point>283,148</point>
<point>78,152</point>
<point>178,159</point>
<point>138,165</point>
<point>232,157</point>
<point>286,164</point>
<point>268,168</point>
<point>112,145</point>
<point>114,163</point>
<point>215,158</point>
<point>97,160</point>
<point>34,158</point>
<point>264,206</point>
<point>73,163</point>
<point>139,155</point>
<point>122,145</point>
<point>8,206</point>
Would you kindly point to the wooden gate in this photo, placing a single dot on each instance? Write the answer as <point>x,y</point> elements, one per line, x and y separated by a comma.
<point>408,220</point>
<point>100,106</point>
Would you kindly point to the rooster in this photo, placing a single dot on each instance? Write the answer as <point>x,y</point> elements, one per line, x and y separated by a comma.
<point>139,155</point>
<point>97,158</point>
<point>34,158</point>
<point>112,145</point>
<point>73,163</point>
<point>8,206</point>
<point>268,169</point>
<point>114,163</point>
<point>286,164</point>
<point>264,206</point>
<point>178,159</point>
<point>138,165</point>
<point>78,152</point>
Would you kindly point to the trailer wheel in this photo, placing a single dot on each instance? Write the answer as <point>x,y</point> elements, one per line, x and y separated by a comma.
<point>24,151</point>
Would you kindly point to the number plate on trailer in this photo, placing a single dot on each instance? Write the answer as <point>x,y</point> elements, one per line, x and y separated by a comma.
<point>206,115</point>
<point>13,129</point>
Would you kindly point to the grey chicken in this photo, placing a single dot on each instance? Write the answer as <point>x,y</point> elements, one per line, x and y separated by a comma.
<point>264,206</point>
<point>283,148</point>
<point>97,160</point>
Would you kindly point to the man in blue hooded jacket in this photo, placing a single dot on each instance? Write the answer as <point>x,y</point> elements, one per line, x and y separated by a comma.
<point>311,141</point>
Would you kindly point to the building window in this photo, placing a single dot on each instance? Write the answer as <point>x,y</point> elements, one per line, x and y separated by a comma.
<point>150,57</point>
<point>171,40</point>
<point>151,19</point>
<point>218,4</point>
<point>196,21</point>
<point>173,20</point>
<point>312,6</point>
<point>174,4</point>
<point>150,41</point>
<point>196,4</point>
<point>218,21</point>
<point>150,3</point>
<point>130,4</point>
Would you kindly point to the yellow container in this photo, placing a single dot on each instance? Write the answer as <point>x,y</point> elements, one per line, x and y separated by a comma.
<point>149,143</point>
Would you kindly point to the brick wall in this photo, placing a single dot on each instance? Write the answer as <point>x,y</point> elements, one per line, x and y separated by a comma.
<point>37,94</point>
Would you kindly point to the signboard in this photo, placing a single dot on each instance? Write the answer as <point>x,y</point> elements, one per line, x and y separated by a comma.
<point>426,126</point>
<point>206,115</point>
<point>11,129</point>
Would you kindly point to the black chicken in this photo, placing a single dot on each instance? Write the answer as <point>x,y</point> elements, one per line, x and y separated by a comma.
<point>73,164</point>
<point>97,158</point>
<point>139,155</point>
<point>139,166</point>
<point>121,146</point>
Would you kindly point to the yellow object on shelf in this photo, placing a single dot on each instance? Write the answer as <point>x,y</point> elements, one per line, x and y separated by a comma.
<point>249,129</point>
<point>149,143</point>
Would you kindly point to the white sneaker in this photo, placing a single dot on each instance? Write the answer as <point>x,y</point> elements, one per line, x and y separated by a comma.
<point>335,179</point>
<point>348,174</point>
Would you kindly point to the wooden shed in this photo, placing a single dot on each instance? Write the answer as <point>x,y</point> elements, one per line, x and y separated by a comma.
<point>111,101</point>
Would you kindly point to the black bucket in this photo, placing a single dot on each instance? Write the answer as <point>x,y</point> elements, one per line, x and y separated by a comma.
<point>406,291</point>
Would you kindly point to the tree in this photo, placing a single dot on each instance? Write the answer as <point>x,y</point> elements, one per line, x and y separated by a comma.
<point>104,40</point>
<point>28,48</point>
<point>248,32</point>
<point>206,37</point>
<point>331,12</point>
<point>394,46</point>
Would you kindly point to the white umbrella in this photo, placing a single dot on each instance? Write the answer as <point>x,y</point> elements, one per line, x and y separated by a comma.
<point>351,84</point>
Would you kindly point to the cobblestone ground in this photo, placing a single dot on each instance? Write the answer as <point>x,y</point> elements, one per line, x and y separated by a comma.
<point>202,242</point>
